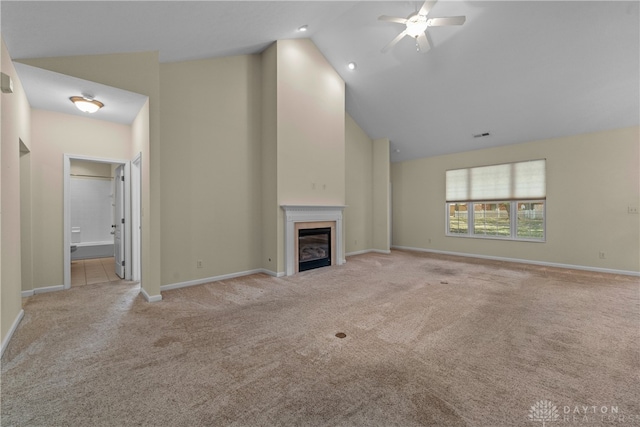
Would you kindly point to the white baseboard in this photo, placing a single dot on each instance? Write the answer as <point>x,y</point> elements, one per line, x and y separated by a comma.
<point>526,261</point>
<point>368,251</point>
<point>48,289</point>
<point>272,273</point>
<point>42,290</point>
<point>218,278</point>
<point>380,251</point>
<point>149,298</point>
<point>14,326</point>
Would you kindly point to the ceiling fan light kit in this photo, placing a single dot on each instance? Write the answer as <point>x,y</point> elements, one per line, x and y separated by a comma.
<point>417,24</point>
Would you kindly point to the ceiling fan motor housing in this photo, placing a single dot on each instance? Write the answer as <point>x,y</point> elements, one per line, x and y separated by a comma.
<point>416,24</point>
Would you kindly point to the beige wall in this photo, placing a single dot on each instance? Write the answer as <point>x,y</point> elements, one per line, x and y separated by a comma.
<point>136,72</point>
<point>211,167</point>
<point>221,161</point>
<point>53,135</point>
<point>591,181</point>
<point>272,225</point>
<point>91,169</point>
<point>358,215</point>
<point>381,198</point>
<point>140,140</point>
<point>15,127</point>
<point>311,126</point>
<point>25,218</point>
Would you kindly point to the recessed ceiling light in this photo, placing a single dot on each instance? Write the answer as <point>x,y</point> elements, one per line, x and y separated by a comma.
<point>303,28</point>
<point>352,65</point>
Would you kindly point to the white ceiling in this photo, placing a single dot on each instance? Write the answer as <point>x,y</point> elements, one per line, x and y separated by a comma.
<point>520,70</point>
<point>47,90</point>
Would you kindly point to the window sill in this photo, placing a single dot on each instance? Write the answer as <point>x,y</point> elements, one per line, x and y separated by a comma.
<point>508,239</point>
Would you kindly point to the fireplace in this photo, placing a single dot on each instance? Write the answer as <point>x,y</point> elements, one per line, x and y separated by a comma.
<point>314,248</point>
<point>299,217</point>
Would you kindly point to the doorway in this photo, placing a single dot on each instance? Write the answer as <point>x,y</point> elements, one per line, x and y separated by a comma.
<point>122,212</point>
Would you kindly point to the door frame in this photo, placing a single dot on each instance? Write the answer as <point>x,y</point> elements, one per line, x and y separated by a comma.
<point>136,218</point>
<point>67,211</point>
<point>120,248</point>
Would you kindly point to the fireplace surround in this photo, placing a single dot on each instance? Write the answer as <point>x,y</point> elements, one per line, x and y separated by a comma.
<point>309,217</point>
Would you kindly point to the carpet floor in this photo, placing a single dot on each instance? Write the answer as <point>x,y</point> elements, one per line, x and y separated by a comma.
<point>430,340</point>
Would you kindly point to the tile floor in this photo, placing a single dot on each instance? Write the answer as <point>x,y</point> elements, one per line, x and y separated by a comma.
<point>92,271</point>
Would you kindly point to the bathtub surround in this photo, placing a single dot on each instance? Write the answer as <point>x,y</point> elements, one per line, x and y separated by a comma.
<point>91,188</point>
<point>92,250</point>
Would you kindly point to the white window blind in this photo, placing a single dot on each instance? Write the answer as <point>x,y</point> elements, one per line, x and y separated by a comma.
<point>510,181</point>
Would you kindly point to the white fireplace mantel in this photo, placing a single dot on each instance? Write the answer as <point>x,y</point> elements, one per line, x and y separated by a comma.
<point>309,213</point>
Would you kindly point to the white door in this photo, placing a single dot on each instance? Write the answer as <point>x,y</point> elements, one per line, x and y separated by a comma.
<point>119,221</point>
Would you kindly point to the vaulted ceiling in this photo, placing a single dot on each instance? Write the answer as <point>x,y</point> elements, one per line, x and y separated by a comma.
<point>520,71</point>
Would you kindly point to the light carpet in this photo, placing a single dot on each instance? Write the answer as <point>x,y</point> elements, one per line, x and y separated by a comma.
<point>430,340</point>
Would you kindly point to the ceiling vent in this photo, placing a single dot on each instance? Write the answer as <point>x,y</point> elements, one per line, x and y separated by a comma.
<point>481,135</point>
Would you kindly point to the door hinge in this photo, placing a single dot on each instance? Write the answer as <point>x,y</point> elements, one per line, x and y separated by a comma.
<point>123,220</point>
<point>123,263</point>
<point>122,178</point>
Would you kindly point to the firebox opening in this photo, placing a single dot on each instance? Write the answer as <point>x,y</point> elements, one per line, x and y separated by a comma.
<point>314,248</point>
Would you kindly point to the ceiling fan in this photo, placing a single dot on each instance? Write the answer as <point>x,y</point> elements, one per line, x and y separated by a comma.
<point>417,24</point>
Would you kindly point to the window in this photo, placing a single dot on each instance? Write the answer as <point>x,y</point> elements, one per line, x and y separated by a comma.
<point>501,201</point>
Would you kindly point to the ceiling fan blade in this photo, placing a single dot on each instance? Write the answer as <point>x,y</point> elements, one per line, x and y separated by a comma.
<point>426,7</point>
<point>394,41</point>
<point>392,19</point>
<point>440,22</point>
<point>423,42</point>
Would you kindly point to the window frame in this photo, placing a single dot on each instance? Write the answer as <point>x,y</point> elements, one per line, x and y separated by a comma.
<point>513,218</point>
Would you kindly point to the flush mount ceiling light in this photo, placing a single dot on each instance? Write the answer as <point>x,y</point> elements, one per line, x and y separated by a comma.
<point>352,65</point>
<point>86,103</point>
<point>303,28</point>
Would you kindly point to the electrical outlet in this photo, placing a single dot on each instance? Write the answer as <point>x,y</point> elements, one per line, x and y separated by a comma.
<point>601,255</point>
<point>632,209</point>
<point>199,263</point>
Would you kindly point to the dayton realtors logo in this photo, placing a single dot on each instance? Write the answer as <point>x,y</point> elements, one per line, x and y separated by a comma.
<point>544,411</point>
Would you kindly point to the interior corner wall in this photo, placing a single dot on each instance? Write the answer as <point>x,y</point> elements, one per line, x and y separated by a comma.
<point>211,168</point>
<point>592,179</point>
<point>381,195</point>
<point>26,251</point>
<point>272,219</point>
<point>311,126</point>
<point>358,215</point>
<point>140,143</point>
<point>53,135</point>
<point>15,120</point>
<point>136,72</point>
<point>310,129</point>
